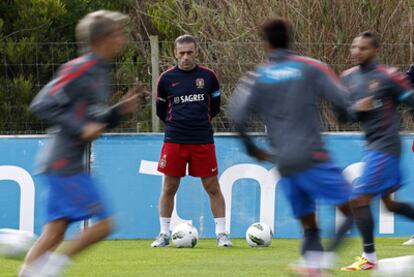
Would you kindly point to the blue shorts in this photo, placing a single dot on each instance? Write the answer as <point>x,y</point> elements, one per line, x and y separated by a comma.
<point>73,197</point>
<point>381,174</point>
<point>323,182</point>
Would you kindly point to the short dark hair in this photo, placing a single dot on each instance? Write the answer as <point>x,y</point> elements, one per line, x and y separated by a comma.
<point>277,32</point>
<point>373,36</point>
<point>185,39</point>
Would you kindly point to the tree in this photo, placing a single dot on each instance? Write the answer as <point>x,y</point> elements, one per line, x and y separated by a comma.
<point>28,60</point>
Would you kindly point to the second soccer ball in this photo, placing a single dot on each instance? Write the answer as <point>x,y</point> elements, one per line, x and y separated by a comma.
<point>259,234</point>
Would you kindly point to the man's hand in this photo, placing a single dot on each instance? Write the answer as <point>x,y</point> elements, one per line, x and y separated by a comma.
<point>134,100</point>
<point>92,130</point>
<point>365,104</point>
<point>129,103</point>
<point>144,96</point>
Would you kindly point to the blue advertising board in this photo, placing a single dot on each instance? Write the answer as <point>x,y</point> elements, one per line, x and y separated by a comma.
<point>125,167</point>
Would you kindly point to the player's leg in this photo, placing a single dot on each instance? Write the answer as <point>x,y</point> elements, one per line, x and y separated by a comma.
<point>89,236</point>
<point>325,183</point>
<point>54,229</point>
<point>401,208</point>
<point>203,164</point>
<point>392,184</point>
<point>380,174</point>
<point>364,221</point>
<point>82,200</point>
<point>303,208</point>
<point>217,204</point>
<point>345,226</point>
<point>52,235</point>
<point>398,207</point>
<point>311,238</point>
<point>218,208</point>
<point>169,190</point>
<point>172,163</point>
<point>312,251</point>
<point>54,263</point>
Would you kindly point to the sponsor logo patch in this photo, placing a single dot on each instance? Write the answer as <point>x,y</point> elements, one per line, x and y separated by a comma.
<point>199,97</point>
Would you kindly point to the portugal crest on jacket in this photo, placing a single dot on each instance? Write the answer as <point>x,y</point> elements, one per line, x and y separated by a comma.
<point>199,83</point>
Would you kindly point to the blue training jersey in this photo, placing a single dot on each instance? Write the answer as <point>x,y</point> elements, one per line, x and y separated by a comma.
<point>186,103</point>
<point>77,95</point>
<point>285,93</point>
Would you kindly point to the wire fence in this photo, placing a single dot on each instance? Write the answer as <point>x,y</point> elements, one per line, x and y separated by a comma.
<point>26,67</point>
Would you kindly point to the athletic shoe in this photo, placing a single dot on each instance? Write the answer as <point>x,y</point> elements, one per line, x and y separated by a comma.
<point>29,271</point>
<point>300,269</point>
<point>162,240</point>
<point>360,263</point>
<point>410,241</point>
<point>223,240</point>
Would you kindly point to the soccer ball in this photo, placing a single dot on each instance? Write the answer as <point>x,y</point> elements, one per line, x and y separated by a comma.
<point>259,234</point>
<point>15,243</point>
<point>184,235</point>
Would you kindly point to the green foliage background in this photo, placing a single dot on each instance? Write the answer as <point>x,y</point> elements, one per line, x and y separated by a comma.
<point>25,28</point>
<point>36,36</point>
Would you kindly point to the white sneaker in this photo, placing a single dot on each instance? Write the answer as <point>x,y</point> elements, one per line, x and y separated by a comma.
<point>223,240</point>
<point>29,271</point>
<point>163,240</point>
<point>410,241</point>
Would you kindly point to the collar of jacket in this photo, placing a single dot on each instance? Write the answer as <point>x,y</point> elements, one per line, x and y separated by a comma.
<point>372,65</point>
<point>280,54</point>
<point>99,60</point>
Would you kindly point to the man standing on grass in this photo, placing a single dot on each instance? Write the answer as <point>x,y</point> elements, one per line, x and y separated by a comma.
<point>75,102</point>
<point>285,92</point>
<point>381,124</point>
<point>188,97</point>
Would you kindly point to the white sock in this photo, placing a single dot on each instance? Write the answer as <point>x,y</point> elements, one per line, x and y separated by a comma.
<point>329,259</point>
<point>220,223</point>
<point>371,257</point>
<point>35,266</point>
<point>55,264</point>
<point>165,225</point>
<point>314,259</point>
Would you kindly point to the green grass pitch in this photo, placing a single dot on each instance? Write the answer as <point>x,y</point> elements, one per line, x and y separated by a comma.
<point>135,258</point>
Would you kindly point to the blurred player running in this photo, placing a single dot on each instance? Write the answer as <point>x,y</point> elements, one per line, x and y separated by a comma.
<point>188,98</point>
<point>410,76</point>
<point>381,175</point>
<point>75,102</point>
<point>284,93</point>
